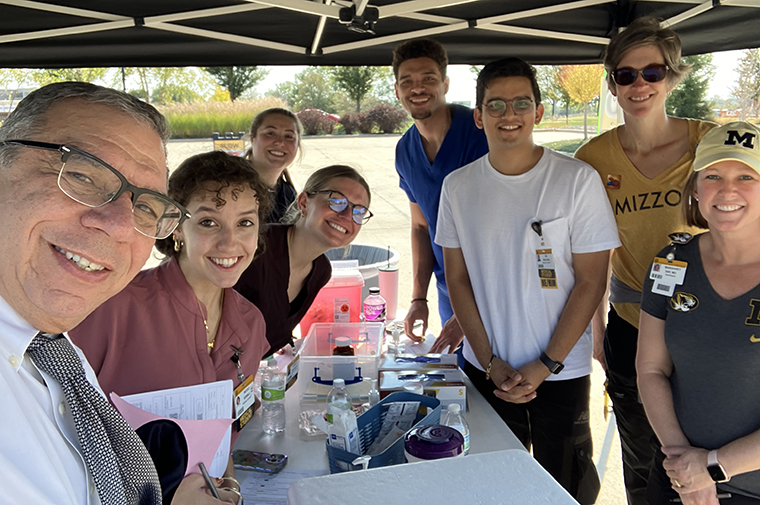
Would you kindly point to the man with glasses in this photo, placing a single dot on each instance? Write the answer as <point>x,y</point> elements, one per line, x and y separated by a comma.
<point>442,139</point>
<point>82,199</point>
<point>526,234</point>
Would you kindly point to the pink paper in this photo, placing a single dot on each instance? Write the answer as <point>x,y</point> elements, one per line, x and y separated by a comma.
<point>203,436</point>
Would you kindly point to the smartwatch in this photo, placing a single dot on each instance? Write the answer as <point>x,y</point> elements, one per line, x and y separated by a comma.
<point>715,469</point>
<point>554,367</point>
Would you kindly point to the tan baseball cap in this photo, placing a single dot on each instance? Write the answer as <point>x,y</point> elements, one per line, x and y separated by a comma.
<point>738,141</point>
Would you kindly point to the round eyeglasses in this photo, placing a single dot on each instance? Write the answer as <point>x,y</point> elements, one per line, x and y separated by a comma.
<point>338,202</point>
<point>625,76</point>
<point>520,106</point>
<point>92,182</point>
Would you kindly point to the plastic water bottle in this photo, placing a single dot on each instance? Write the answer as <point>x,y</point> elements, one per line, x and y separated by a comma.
<point>263,365</point>
<point>374,307</point>
<point>273,400</point>
<point>374,394</point>
<point>455,419</point>
<point>338,399</point>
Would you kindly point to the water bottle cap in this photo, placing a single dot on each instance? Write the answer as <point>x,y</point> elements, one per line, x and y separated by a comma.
<point>374,290</point>
<point>343,341</point>
<point>339,382</point>
<point>454,408</point>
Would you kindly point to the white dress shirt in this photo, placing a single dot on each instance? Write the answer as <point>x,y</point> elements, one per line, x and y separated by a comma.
<point>40,460</point>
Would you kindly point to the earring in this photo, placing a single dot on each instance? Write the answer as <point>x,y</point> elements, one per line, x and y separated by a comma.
<point>177,244</point>
<point>689,199</point>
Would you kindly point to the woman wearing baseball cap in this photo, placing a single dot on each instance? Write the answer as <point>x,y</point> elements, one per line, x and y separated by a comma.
<point>698,360</point>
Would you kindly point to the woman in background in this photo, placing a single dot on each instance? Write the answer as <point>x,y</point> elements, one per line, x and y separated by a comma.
<point>275,140</point>
<point>286,278</point>
<point>181,324</point>
<point>698,356</point>
<point>644,164</point>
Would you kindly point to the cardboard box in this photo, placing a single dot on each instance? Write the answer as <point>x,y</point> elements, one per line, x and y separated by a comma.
<point>444,383</point>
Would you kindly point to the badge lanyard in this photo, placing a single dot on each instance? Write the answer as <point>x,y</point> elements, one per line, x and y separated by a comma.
<point>668,272</point>
<point>244,395</point>
<point>547,273</point>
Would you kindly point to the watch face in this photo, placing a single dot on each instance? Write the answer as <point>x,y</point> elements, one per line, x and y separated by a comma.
<point>717,473</point>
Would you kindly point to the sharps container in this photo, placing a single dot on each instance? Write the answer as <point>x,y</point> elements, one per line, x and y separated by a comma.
<point>340,300</point>
<point>434,441</point>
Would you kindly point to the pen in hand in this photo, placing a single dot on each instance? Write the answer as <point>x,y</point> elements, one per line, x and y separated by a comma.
<point>209,482</point>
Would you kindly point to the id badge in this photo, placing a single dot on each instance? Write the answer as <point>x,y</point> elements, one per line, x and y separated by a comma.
<point>666,275</point>
<point>244,399</point>
<point>546,271</point>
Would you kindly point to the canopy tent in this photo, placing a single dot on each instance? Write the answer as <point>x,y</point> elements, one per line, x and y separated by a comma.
<point>83,33</point>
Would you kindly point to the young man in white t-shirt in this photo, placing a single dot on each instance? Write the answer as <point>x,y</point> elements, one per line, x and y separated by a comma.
<point>526,235</point>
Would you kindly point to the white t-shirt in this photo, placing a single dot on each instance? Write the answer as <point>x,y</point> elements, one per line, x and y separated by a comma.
<point>489,215</point>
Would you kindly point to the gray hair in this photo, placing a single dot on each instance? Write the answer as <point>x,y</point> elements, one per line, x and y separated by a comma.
<point>28,119</point>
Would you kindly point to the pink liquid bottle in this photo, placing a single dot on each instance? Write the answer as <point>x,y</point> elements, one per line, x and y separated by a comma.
<point>374,307</point>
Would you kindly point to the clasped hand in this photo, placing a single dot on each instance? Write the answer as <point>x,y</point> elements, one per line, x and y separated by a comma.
<point>687,469</point>
<point>517,386</point>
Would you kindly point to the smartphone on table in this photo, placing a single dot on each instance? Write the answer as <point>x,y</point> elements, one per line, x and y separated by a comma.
<point>258,461</point>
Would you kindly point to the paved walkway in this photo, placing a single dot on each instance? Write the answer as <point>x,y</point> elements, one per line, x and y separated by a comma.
<point>373,156</point>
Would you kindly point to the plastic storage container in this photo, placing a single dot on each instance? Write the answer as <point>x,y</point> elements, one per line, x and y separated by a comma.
<point>340,300</point>
<point>318,366</point>
<point>423,443</point>
<point>369,427</point>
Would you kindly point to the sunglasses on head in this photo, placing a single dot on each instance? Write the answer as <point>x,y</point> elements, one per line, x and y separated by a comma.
<point>626,76</point>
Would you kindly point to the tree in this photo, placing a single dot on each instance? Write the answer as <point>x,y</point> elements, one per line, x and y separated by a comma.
<point>311,89</point>
<point>582,83</point>
<point>357,82</point>
<point>50,75</point>
<point>168,84</point>
<point>551,89</point>
<point>689,98</point>
<point>746,90</point>
<point>237,79</point>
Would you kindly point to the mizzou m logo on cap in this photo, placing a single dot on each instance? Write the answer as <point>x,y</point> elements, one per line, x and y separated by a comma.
<point>745,139</point>
<point>683,302</point>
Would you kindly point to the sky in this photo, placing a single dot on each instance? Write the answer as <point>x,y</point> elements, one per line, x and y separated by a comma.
<point>462,80</point>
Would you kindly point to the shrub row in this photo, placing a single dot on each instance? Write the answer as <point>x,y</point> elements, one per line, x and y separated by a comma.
<point>201,119</point>
<point>383,118</point>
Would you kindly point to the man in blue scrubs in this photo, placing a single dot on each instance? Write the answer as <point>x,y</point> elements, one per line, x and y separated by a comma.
<point>443,138</point>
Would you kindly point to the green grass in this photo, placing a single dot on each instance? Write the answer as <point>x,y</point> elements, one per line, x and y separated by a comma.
<point>574,120</point>
<point>566,146</point>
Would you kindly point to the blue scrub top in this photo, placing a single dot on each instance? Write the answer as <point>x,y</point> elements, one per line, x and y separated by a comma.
<point>422,180</point>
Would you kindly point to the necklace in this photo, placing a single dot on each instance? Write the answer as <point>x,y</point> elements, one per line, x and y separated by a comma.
<point>205,321</point>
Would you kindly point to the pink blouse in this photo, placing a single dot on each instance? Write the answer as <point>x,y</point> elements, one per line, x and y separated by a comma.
<point>151,336</point>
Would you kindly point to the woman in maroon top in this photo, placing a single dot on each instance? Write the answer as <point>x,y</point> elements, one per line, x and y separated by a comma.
<point>286,278</point>
<point>179,324</point>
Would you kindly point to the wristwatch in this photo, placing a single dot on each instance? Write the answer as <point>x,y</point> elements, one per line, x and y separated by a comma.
<point>715,469</point>
<point>554,367</point>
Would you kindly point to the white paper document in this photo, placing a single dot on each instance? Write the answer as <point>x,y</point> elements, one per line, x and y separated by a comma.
<point>272,489</point>
<point>203,401</point>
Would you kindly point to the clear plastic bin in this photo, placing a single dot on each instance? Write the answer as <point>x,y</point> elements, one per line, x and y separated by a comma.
<point>318,367</point>
<point>340,300</point>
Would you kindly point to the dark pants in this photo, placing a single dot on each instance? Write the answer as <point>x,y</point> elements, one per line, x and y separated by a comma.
<point>660,492</point>
<point>637,439</point>
<point>556,424</point>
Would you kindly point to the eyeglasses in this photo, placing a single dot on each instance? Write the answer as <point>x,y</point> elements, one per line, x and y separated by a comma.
<point>92,182</point>
<point>520,106</point>
<point>626,76</point>
<point>338,202</point>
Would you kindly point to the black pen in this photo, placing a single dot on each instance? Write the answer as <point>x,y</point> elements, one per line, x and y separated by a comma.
<point>721,496</point>
<point>209,482</point>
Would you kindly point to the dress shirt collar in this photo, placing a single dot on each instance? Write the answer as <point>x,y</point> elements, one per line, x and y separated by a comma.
<point>15,335</point>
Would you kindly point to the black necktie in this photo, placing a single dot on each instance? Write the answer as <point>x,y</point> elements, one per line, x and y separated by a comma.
<point>120,465</point>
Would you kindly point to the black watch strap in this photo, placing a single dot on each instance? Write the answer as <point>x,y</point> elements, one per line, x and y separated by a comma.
<point>554,367</point>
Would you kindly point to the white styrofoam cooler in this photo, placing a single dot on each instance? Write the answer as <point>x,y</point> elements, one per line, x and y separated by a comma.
<point>503,477</point>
